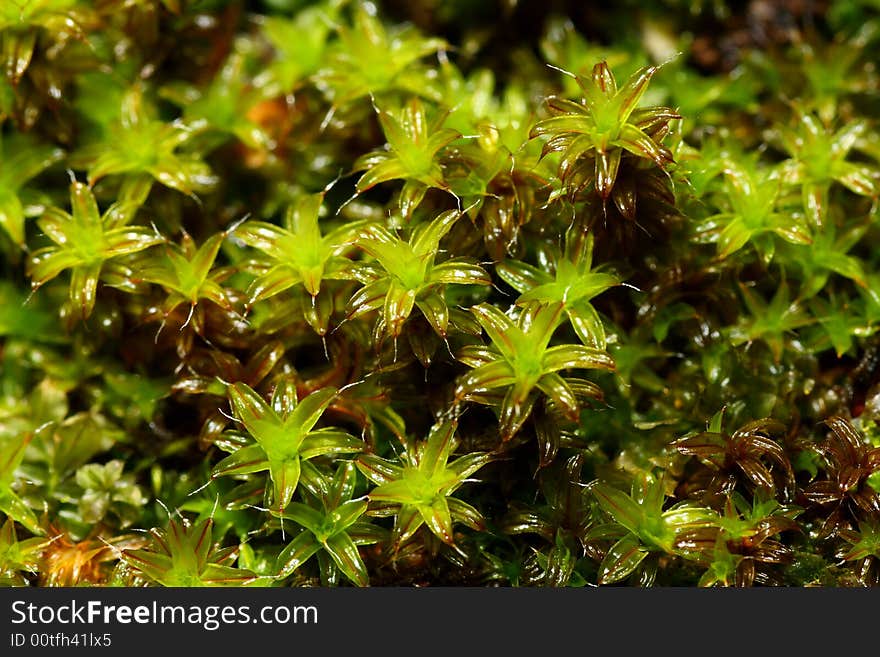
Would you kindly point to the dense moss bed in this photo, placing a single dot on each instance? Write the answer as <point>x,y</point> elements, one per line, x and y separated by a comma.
<point>439,293</point>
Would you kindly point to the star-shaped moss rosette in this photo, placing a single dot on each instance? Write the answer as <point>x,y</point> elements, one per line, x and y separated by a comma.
<point>300,43</point>
<point>644,528</point>
<point>751,211</point>
<point>849,488</point>
<point>189,278</point>
<point>820,158</point>
<point>85,241</point>
<point>772,323</point>
<point>748,456</point>
<point>572,282</point>
<point>300,253</point>
<point>284,436</point>
<point>412,155</point>
<point>405,275</point>
<point>417,489</point>
<point>603,126</point>
<point>522,365</point>
<point>333,526</point>
<point>371,61</point>
<point>185,555</point>
<point>746,548</point>
<point>138,144</point>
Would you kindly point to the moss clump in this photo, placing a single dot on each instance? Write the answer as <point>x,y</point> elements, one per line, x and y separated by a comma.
<point>396,294</point>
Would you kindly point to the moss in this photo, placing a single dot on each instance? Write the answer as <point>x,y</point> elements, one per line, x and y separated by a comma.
<point>347,293</point>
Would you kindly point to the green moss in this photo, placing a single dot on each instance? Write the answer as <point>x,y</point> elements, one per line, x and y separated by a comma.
<point>349,293</point>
